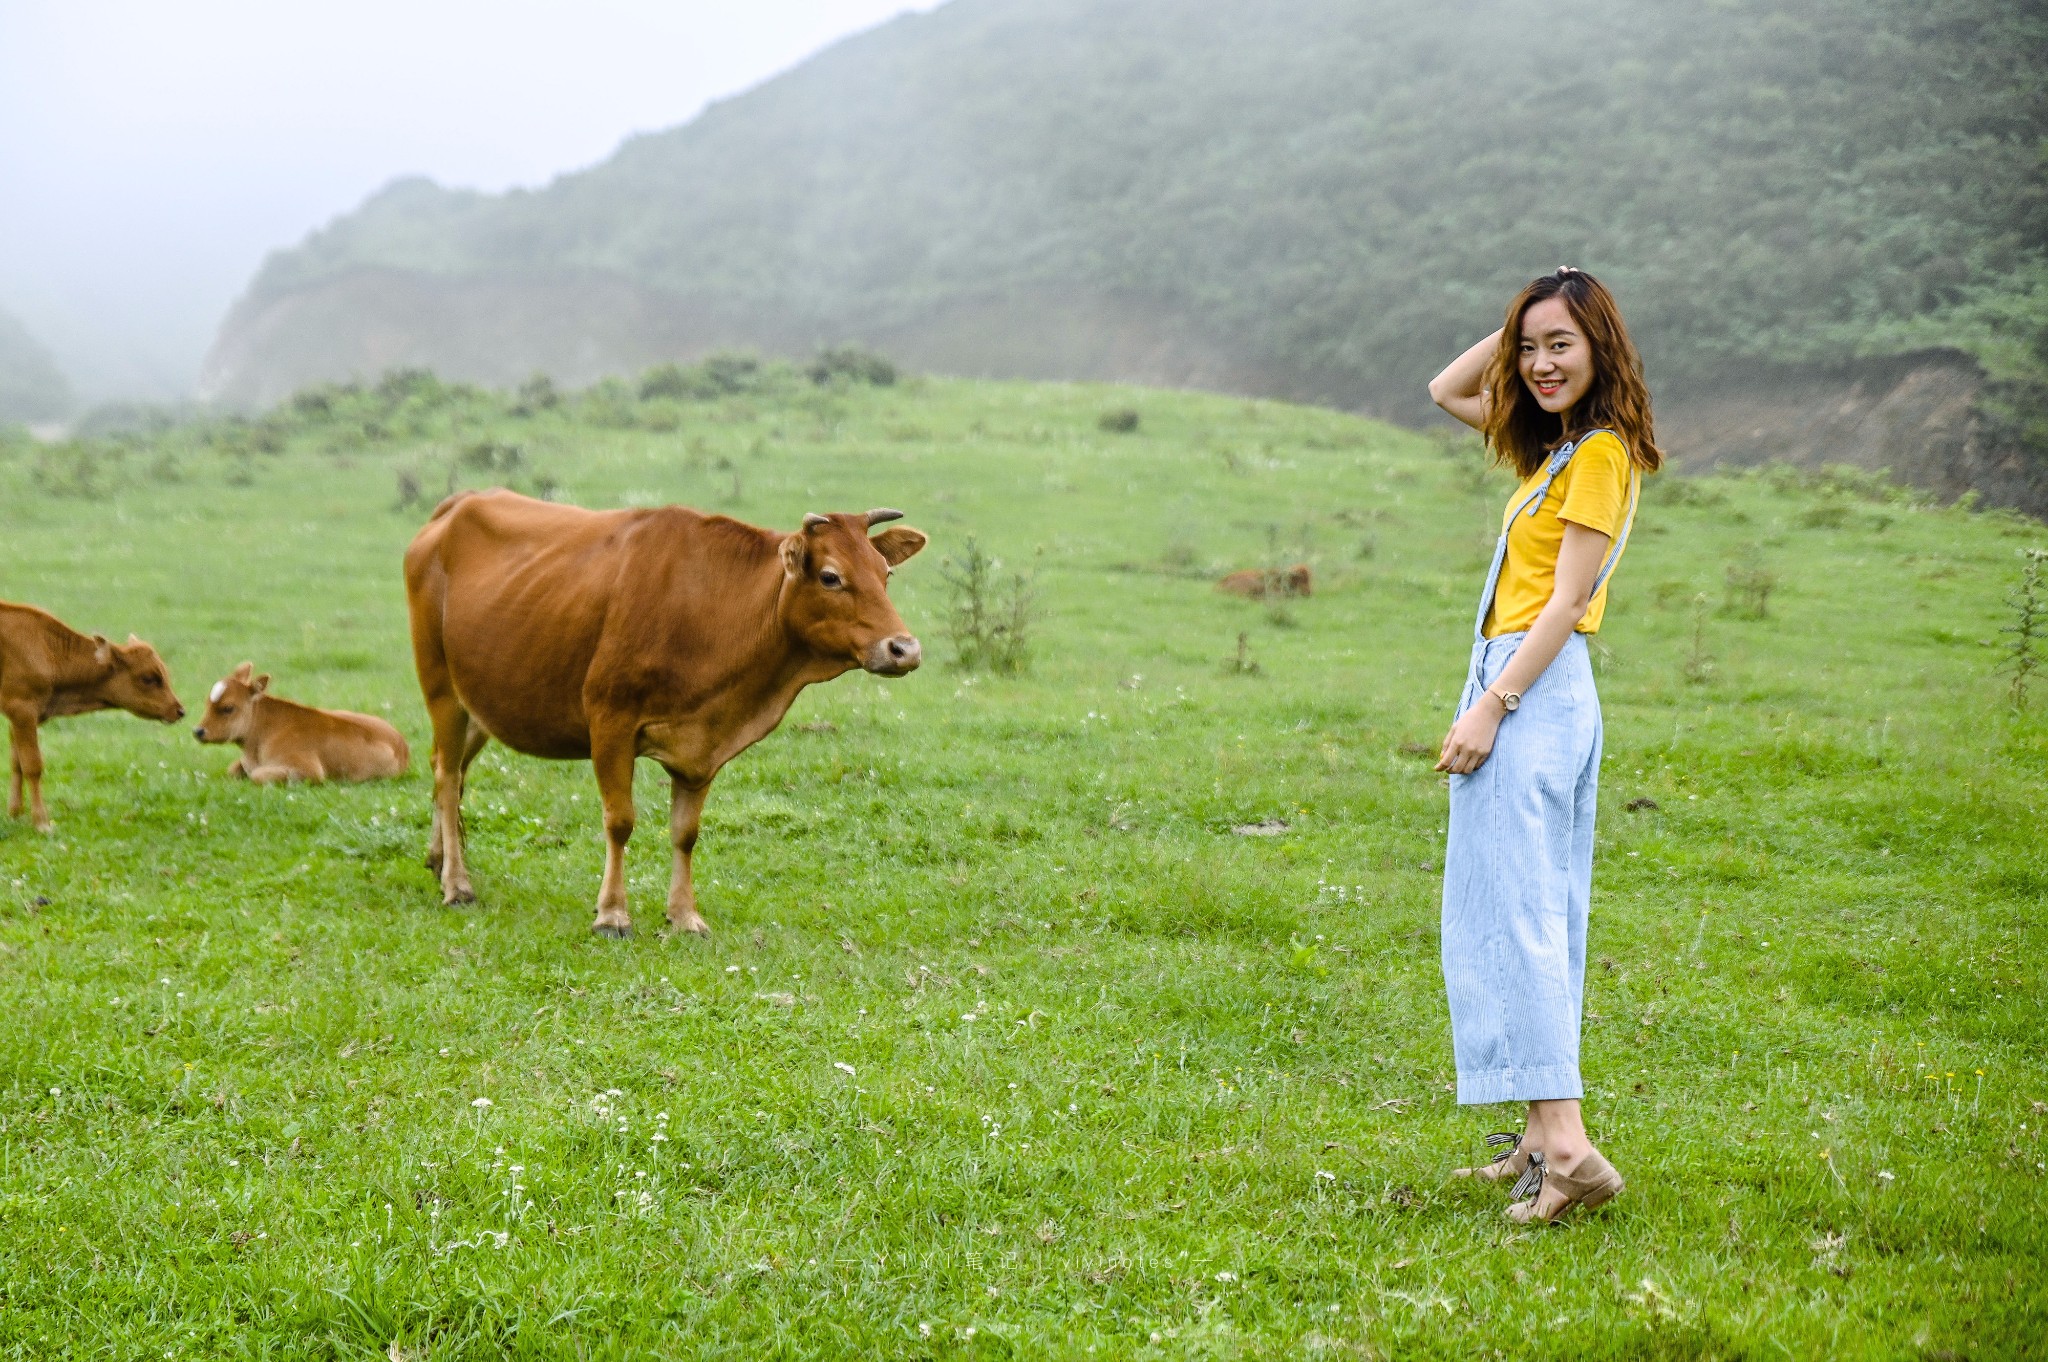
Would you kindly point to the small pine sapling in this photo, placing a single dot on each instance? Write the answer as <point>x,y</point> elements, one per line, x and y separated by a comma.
<point>990,617</point>
<point>1699,664</point>
<point>2029,601</point>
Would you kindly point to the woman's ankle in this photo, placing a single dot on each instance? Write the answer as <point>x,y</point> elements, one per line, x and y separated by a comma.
<point>1564,1153</point>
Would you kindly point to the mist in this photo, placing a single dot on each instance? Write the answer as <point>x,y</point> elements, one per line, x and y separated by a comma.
<point>151,156</point>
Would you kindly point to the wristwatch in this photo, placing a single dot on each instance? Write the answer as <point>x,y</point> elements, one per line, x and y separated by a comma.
<point>1510,700</point>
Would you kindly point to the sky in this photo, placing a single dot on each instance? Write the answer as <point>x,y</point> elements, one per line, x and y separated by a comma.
<point>152,152</point>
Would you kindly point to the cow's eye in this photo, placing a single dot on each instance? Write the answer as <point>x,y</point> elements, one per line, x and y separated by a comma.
<point>152,680</point>
<point>227,709</point>
<point>830,578</point>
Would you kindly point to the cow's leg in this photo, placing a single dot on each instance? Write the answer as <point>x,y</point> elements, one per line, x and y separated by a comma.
<point>451,755</point>
<point>611,757</point>
<point>685,810</point>
<point>26,767</point>
<point>276,773</point>
<point>477,739</point>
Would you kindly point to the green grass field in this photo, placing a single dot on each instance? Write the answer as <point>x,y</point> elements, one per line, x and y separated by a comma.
<point>1004,1044</point>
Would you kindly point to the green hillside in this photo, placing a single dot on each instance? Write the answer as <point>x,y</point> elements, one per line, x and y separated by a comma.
<point>1316,198</point>
<point>1007,1042</point>
<point>32,388</point>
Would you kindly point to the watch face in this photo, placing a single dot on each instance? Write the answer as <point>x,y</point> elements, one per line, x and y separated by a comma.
<point>1512,700</point>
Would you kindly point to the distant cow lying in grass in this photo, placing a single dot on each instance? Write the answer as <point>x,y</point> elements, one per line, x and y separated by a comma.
<point>608,636</point>
<point>1259,583</point>
<point>283,740</point>
<point>49,670</point>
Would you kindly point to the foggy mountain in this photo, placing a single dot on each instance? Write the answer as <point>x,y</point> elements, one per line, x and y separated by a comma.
<point>1320,199</point>
<point>31,388</point>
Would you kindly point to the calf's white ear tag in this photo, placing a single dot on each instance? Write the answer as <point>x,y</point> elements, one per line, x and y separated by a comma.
<point>220,688</point>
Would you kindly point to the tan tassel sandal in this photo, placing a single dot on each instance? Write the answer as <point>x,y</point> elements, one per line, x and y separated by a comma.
<point>1595,1184</point>
<point>1511,1163</point>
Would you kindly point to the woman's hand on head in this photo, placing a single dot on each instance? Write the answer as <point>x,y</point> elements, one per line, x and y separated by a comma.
<point>1460,388</point>
<point>1470,741</point>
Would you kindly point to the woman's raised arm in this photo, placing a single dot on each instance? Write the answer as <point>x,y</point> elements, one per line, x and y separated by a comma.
<point>1457,389</point>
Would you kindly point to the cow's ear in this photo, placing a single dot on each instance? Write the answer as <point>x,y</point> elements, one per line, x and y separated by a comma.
<point>244,672</point>
<point>102,651</point>
<point>898,544</point>
<point>260,684</point>
<point>794,554</point>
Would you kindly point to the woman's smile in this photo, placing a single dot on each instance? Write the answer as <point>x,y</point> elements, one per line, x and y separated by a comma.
<point>1556,360</point>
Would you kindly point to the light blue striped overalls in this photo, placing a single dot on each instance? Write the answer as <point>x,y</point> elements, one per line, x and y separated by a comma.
<point>1518,869</point>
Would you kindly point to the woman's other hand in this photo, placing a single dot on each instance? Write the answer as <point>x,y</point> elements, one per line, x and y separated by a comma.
<point>1470,741</point>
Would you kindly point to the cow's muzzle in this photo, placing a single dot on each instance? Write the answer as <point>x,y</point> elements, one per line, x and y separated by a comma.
<point>894,656</point>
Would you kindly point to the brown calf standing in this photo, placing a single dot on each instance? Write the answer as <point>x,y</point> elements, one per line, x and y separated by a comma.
<point>1258,583</point>
<point>49,670</point>
<point>283,740</point>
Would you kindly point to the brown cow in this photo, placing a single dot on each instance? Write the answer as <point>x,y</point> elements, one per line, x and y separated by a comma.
<point>49,670</point>
<point>1258,583</point>
<point>614,635</point>
<point>284,740</point>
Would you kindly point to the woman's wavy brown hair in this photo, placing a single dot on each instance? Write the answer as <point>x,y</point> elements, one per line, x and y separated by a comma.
<point>1520,433</point>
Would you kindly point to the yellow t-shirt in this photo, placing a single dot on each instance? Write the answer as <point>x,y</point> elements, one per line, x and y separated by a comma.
<point>1591,491</point>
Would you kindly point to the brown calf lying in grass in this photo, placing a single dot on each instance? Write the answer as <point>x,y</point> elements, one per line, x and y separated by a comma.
<point>1258,583</point>
<point>49,670</point>
<point>283,740</point>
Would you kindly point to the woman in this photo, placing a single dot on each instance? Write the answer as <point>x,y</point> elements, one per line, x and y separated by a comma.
<point>1559,395</point>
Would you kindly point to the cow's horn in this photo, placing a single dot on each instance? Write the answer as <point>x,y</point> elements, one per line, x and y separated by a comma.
<point>813,520</point>
<point>882,516</point>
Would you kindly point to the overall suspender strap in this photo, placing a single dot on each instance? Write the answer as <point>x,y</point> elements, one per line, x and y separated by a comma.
<point>1635,490</point>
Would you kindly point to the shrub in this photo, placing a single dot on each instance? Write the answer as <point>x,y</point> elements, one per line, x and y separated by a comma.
<point>492,456</point>
<point>990,617</point>
<point>720,375</point>
<point>1240,663</point>
<point>608,402</point>
<point>854,364</point>
<point>410,494</point>
<point>312,404</point>
<point>535,394</point>
<point>78,468</point>
<point>665,380</point>
<point>409,384</point>
<point>1120,421</point>
<point>1675,489</point>
<point>727,372</point>
<point>1750,585</point>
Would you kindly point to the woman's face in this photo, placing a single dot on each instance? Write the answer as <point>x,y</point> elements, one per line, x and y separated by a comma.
<point>1557,360</point>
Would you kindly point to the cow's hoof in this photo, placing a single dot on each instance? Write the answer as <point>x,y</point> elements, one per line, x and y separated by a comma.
<point>612,929</point>
<point>697,928</point>
<point>460,898</point>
